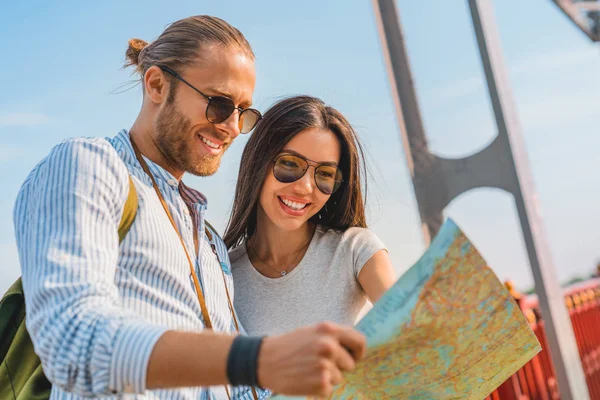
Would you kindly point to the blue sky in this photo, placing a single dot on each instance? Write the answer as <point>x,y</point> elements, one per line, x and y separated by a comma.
<point>61,73</point>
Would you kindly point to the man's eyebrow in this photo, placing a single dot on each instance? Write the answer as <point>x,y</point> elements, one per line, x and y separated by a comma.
<point>223,93</point>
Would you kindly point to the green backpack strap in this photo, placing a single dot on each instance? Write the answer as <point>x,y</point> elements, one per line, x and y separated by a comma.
<point>129,211</point>
<point>21,374</point>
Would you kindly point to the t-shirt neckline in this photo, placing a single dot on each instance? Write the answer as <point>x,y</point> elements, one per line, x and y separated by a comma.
<point>290,274</point>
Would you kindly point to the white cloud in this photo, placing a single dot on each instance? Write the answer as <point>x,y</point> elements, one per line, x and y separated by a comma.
<point>556,60</point>
<point>556,110</point>
<point>531,65</point>
<point>23,119</point>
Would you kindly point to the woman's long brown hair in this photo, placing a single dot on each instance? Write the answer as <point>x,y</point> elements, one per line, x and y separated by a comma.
<point>344,209</point>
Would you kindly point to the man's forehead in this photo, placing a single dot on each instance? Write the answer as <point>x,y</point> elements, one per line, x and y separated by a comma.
<point>227,73</point>
<point>222,62</point>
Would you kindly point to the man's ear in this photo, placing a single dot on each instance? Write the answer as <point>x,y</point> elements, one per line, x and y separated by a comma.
<point>156,85</point>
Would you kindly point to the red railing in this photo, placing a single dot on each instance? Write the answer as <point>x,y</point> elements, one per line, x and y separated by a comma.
<point>536,380</point>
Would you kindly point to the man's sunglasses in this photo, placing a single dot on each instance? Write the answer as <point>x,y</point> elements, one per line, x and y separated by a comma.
<point>289,168</point>
<point>220,108</point>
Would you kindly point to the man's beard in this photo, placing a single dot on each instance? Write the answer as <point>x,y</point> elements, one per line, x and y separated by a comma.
<point>176,143</point>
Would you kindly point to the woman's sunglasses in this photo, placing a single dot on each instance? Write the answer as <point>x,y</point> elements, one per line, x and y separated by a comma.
<point>289,168</point>
<point>220,108</point>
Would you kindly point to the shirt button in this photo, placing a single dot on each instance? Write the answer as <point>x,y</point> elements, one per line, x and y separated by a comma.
<point>129,389</point>
<point>186,211</point>
<point>173,182</point>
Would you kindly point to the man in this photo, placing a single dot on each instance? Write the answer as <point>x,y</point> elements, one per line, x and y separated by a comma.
<point>133,320</point>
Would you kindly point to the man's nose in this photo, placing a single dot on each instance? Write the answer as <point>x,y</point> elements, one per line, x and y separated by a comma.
<point>231,125</point>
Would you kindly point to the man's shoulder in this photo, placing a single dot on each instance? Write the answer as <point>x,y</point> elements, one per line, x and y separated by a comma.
<point>220,247</point>
<point>76,167</point>
<point>214,236</point>
<point>76,147</point>
<point>77,156</point>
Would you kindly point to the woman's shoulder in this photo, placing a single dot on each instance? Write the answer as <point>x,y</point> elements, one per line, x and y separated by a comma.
<point>351,236</point>
<point>353,246</point>
<point>237,254</point>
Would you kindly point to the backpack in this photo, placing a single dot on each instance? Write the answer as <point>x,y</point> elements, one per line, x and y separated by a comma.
<point>21,374</point>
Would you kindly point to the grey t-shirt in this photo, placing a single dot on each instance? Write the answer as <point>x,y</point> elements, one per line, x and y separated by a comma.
<point>323,287</point>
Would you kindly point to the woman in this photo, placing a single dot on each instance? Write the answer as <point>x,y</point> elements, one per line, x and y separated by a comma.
<point>299,246</point>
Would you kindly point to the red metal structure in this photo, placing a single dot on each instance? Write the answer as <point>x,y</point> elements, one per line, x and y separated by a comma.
<point>536,380</point>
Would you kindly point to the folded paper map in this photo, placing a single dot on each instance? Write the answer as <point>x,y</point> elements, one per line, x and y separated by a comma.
<point>447,329</point>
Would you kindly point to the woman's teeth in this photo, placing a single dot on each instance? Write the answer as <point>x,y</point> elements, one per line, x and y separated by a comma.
<point>293,205</point>
<point>209,143</point>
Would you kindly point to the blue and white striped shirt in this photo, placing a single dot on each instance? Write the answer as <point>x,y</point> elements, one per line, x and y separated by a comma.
<point>95,309</point>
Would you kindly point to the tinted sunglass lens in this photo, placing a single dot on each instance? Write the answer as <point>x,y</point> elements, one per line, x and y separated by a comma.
<point>248,120</point>
<point>328,179</point>
<point>219,109</point>
<point>289,168</point>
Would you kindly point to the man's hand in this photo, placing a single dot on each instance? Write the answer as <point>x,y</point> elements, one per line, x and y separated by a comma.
<point>309,361</point>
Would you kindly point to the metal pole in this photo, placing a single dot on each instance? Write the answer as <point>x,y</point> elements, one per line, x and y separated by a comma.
<point>561,339</point>
<point>579,12</point>
<point>502,164</point>
<point>422,165</point>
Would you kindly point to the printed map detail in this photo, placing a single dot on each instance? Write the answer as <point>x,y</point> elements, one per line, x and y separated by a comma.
<point>448,329</point>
